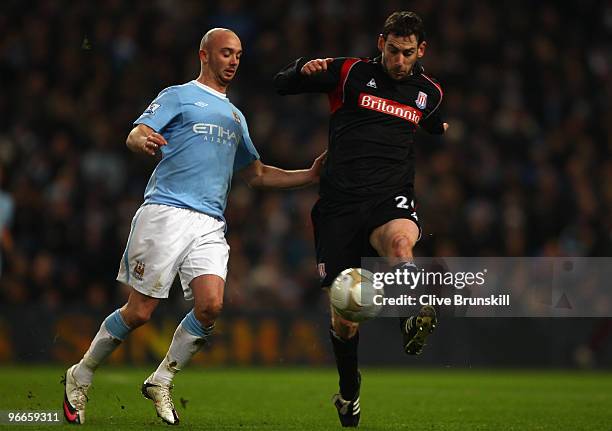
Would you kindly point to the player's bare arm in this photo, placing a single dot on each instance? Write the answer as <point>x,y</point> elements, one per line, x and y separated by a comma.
<point>143,139</point>
<point>264,176</point>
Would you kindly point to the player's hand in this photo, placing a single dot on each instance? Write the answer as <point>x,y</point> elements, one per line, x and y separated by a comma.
<point>315,66</point>
<point>152,143</point>
<point>317,165</point>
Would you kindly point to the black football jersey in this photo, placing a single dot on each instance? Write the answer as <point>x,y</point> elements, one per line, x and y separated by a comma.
<point>372,125</point>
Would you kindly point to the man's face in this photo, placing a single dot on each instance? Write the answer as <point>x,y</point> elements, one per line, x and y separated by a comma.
<point>399,53</point>
<point>223,56</point>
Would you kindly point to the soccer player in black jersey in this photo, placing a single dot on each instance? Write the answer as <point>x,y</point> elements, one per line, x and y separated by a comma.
<point>366,205</point>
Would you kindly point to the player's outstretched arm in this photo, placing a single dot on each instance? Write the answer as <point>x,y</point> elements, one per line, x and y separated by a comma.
<point>264,176</point>
<point>320,75</point>
<point>316,66</point>
<point>143,139</point>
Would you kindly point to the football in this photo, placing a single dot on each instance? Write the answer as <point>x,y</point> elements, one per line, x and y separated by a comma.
<point>352,295</point>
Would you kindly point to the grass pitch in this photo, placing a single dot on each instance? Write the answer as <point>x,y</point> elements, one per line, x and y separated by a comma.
<point>299,399</point>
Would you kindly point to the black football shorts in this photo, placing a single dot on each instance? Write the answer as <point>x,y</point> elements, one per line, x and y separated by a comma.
<point>342,230</point>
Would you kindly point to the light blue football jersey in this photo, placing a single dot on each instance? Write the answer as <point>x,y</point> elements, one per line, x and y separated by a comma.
<point>208,140</point>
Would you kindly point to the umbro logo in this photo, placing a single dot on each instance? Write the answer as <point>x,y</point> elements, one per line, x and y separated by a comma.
<point>201,104</point>
<point>371,84</point>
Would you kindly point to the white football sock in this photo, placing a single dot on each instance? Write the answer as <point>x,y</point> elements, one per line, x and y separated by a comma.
<point>103,344</point>
<point>184,345</point>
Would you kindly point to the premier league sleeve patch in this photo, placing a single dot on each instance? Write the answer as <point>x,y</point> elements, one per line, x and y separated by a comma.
<point>151,109</point>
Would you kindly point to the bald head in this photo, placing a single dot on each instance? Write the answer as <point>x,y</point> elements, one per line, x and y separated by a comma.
<point>220,52</point>
<point>213,35</point>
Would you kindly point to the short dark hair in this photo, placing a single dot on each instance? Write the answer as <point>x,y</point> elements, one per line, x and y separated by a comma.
<point>404,23</point>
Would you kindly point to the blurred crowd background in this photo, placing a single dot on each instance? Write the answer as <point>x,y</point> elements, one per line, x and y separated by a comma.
<point>525,169</point>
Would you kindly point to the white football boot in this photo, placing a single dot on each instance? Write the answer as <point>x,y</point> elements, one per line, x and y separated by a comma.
<point>75,398</point>
<point>162,399</point>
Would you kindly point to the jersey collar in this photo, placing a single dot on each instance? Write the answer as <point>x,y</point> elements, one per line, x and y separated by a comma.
<point>210,90</point>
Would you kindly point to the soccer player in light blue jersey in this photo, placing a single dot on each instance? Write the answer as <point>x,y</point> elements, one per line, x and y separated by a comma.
<point>203,139</point>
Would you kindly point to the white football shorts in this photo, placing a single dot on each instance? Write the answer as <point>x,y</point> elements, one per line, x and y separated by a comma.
<point>165,240</point>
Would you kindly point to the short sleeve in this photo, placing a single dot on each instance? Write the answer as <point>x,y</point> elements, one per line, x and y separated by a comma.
<point>161,111</point>
<point>246,152</point>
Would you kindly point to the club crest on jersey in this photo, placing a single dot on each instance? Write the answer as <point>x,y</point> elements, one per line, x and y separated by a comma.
<point>236,117</point>
<point>421,100</point>
<point>139,270</point>
<point>152,108</point>
<point>371,84</point>
<point>321,270</point>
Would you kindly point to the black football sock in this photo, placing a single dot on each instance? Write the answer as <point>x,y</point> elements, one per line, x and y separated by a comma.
<point>345,352</point>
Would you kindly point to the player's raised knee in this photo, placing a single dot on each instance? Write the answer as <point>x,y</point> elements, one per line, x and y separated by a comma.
<point>401,244</point>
